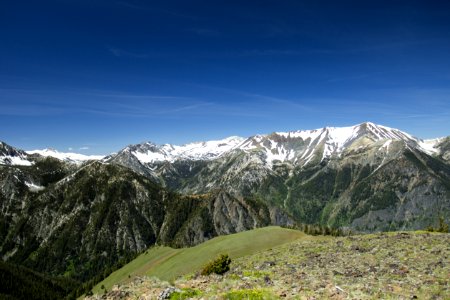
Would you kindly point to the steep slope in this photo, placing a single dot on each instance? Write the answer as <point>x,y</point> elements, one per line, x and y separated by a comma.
<point>298,147</point>
<point>149,152</point>
<point>12,156</point>
<point>371,191</point>
<point>442,146</point>
<point>400,265</point>
<point>82,221</point>
<point>168,263</point>
<point>322,176</point>
<point>311,146</point>
<point>397,186</point>
<point>146,157</point>
<point>21,283</point>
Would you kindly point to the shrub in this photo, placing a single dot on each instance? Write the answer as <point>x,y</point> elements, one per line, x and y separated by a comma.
<point>443,227</point>
<point>248,294</point>
<point>184,294</point>
<point>218,266</point>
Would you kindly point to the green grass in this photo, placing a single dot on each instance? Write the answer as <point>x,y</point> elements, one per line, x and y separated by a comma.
<point>249,295</point>
<point>167,263</point>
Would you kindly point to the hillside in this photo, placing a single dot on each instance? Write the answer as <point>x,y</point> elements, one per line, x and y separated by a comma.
<point>18,282</point>
<point>83,222</point>
<point>168,263</point>
<point>397,265</point>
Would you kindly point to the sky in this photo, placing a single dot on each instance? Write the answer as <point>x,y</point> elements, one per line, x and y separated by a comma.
<point>94,76</point>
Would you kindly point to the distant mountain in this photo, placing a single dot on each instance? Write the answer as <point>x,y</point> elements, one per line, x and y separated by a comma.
<point>149,152</point>
<point>362,176</point>
<point>74,215</point>
<point>79,220</point>
<point>66,156</point>
<point>297,147</point>
<point>12,156</point>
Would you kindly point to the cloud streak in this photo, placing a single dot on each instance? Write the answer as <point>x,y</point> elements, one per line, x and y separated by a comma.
<point>20,102</point>
<point>132,5</point>
<point>205,32</point>
<point>123,53</point>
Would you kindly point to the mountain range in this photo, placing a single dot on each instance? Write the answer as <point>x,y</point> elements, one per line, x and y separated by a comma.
<point>66,213</point>
<point>369,177</point>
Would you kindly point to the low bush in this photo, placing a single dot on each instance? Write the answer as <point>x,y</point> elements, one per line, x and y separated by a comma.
<point>248,295</point>
<point>218,266</point>
<point>443,227</point>
<point>185,294</point>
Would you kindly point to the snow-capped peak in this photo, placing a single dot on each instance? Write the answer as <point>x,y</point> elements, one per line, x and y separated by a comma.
<point>12,156</point>
<point>299,147</point>
<point>65,156</point>
<point>149,152</point>
<point>304,145</point>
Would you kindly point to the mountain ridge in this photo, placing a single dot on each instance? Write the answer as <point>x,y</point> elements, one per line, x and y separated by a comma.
<point>71,157</point>
<point>334,139</point>
<point>346,176</point>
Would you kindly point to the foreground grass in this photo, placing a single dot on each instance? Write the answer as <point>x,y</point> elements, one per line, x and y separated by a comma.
<point>399,265</point>
<point>168,264</point>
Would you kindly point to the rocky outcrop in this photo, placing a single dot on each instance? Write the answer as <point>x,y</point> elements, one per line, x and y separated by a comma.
<point>220,213</point>
<point>369,186</point>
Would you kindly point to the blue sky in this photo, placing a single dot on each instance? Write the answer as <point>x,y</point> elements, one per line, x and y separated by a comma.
<point>95,76</point>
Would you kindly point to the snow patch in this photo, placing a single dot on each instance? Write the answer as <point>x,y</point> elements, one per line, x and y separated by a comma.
<point>69,156</point>
<point>386,145</point>
<point>298,147</point>
<point>33,187</point>
<point>149,156</point>
<point>430,146</point>
<point>14,160</point>
<point>194,151</point>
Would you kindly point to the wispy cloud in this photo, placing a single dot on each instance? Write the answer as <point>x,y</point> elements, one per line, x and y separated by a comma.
<point>355,77</point>
<point>186,108</point>
<point>123,53</point>
<point>280,29</point>
<point>144,110</point>
<point>124,95</point>
<point>84,148</point>
<point>19,102</point>
<point>206,32</point>
<point>272,52</point>
<point>297,103</point>
<point>133,5</point>
<point>348,49</point>
<point>128,4</point>
<point>418,116</point>
<point>30,109</point>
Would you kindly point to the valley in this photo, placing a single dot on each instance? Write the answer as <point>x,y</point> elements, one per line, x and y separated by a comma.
<point>81,217</point>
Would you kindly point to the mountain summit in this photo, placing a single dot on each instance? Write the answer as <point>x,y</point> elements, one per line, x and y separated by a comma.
<point>299,147</point>
<point>364,176</point>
